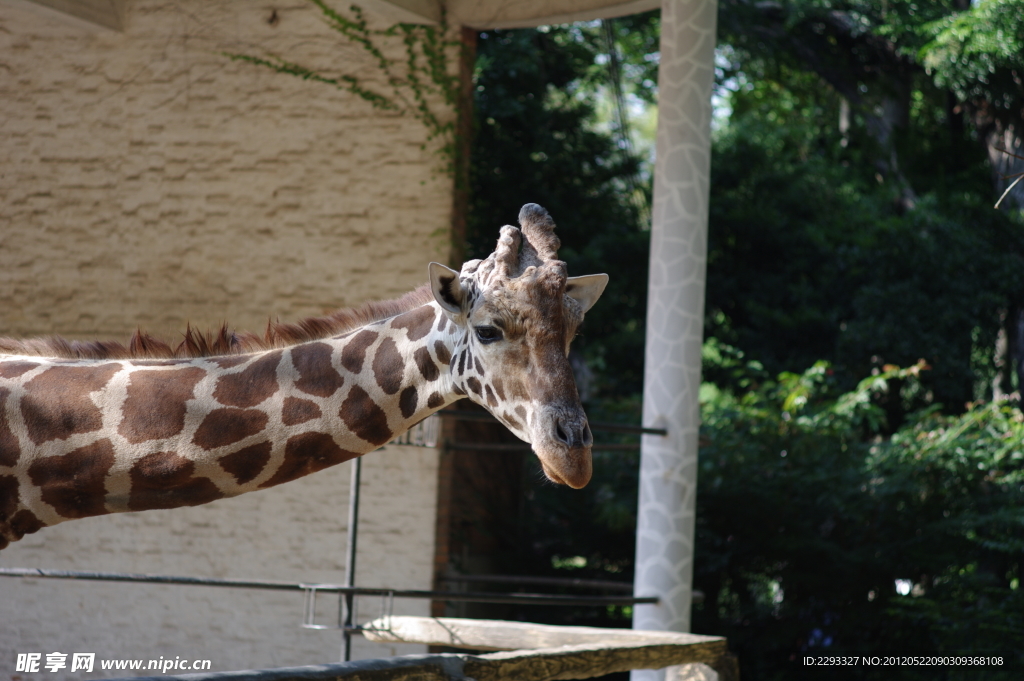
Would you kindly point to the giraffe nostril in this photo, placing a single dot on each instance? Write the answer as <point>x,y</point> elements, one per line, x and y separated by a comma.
<point>560,433</point>
<point>571,433</point>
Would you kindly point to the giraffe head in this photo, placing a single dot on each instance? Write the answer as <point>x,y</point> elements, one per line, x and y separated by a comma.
<point>517,312</point>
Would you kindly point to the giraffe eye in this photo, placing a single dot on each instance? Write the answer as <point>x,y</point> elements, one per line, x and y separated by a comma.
<point>488,334</point>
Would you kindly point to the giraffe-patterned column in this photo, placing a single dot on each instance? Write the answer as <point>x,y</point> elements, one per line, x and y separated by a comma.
<point>675,309</point>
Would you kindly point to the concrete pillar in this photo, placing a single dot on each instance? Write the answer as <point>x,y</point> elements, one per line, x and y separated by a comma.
<point>675,311</point>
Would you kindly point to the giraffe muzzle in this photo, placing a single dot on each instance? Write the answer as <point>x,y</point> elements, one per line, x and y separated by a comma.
<point>565,450</point>
<point>575,475</point>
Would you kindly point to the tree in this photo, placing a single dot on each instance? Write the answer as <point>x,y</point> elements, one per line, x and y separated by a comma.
<point>851,222</point>
<point>806,521</point>
<point>850,210</point>
<point>871,53</point>
<point>977,54</point>
<point>535,142</point>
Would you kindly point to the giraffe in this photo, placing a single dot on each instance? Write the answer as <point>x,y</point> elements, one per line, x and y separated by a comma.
<point>88,429</point>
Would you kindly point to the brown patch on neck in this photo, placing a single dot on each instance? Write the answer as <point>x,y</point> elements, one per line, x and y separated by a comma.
<point>297,410</point>
<point>364,418</point>
<point>155,406</point>
<point>317,376</point>
<point>16,368</point>
<point>14,524</point>
<point>167,480</point>
<point>8,500</point>
<point>246,464</point>
<point>425,364</point>
<point>251,386</point>
<point>389,367</point>
<point>408,400</point>
<point>223,427</point>
<point>441,350</point>
<point>354,352</point>
<point>223,341</point>
<point>57,404</point>
<point>308,453</point>
<point>417,323</point>
<point>73,483</point>
<point>10,449</point>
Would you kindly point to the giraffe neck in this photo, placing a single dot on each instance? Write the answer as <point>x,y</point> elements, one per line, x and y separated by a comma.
<point>84,438</point>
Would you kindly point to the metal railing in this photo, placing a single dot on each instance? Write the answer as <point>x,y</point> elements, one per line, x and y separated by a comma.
<point>424,434</point>
<point>311,589</point>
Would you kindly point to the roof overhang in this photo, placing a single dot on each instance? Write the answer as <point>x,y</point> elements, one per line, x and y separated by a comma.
<point>479,14</point>
<point>106,13</point>
<point>482,14</point>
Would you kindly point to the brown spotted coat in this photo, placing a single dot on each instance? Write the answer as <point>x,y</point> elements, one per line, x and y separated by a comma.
<point>81,438</point>
<point>94,428</point>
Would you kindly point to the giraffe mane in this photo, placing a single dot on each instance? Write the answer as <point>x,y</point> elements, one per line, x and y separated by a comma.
<point>225,341</point>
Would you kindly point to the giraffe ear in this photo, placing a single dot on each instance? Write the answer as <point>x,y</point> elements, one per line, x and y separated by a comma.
<point>587,289</point>
<point>444,284</point>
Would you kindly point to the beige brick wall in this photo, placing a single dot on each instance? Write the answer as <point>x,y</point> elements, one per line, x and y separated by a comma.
<point>146,180</point>
<point>295,532</point>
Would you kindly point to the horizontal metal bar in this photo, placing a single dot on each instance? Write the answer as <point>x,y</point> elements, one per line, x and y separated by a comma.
<point>697,594</point>
<point>541,581</point>
<point>622,428</point>
<point>470,597</point>
<point>525,449</point>
<point>154,579</point>
<point>466,415</point>
<point>489,447</point>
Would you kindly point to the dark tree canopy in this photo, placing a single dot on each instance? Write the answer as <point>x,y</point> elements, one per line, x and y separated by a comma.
<point>533,143</point>
<point>851,201</point>
<point>861,471</point>
<point>852,231</point>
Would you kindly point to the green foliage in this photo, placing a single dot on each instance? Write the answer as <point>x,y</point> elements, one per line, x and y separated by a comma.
<point>817,492</point>
<point>806,519</point>
<point>535,143</point>
<point>422,74</point>
<point>979,53</point>
<point>538,139</point>
<point>964,57</point>
<point>813,252</point>
<point>582,534</point>
<point>807,262</point>
<point>850,250</point>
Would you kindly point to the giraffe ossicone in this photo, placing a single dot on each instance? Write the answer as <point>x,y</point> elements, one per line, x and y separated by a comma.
<point>93,428</point>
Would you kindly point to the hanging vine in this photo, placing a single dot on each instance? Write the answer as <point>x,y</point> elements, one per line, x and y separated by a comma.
<point>413,81</point>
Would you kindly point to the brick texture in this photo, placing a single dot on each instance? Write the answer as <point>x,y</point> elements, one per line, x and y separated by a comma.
<point>294,532</point>
<point>146,180</point>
